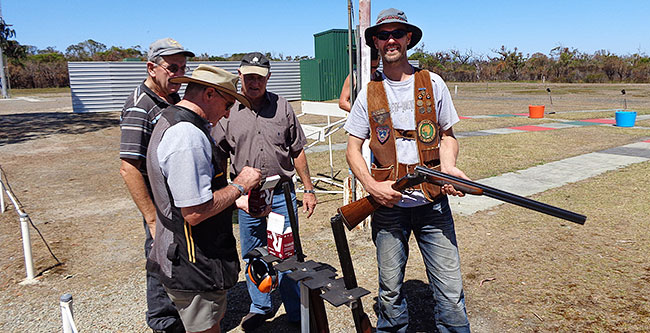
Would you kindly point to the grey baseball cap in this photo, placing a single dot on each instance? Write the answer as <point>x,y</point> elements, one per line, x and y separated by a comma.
<point>392,15</point>
<point>166,46</point>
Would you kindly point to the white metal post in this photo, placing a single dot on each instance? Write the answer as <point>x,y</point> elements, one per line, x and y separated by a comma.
<point>67,317</point>
<point>329,142</point>
<point>27,246</point>
<point>2,197</point>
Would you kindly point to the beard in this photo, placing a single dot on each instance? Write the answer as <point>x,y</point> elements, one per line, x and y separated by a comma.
<point>393,56</point>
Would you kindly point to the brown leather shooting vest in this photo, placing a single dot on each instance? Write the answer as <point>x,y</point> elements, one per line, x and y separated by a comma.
<point>426,134</point>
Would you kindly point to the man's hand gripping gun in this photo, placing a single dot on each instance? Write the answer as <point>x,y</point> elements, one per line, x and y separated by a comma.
<point>355,212</point>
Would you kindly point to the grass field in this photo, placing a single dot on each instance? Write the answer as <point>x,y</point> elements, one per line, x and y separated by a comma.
<point>523,271</point>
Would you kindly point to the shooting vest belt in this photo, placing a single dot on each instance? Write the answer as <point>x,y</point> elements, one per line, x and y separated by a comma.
<point>426,133</point>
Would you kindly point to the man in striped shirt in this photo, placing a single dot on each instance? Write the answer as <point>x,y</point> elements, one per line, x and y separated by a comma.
<point>166,59</point>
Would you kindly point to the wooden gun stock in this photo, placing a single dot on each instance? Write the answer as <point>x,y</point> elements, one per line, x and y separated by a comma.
<point>355,212</point>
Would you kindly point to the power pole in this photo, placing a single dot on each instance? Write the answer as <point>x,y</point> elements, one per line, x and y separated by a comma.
<point>364,71</point>
<point>3,83</point>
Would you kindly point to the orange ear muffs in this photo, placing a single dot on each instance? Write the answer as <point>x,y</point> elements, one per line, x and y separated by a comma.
<point>262,274</point>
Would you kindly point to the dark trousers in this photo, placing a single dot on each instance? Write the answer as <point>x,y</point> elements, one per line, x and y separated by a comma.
<point>161,312</point>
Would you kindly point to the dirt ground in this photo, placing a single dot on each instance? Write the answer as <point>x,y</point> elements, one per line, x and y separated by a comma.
<point>523,272</point>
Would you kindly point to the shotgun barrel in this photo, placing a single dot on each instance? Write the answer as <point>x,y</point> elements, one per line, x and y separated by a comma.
<point>440,178</point>
<point>355,212</point>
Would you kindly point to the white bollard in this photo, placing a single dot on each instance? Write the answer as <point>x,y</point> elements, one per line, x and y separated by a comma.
<point>455,90</point>
<point>2,197</point>
<point>66,314</point>
<point>27,246</point>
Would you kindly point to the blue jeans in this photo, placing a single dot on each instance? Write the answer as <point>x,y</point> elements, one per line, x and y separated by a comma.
<point>433,227</point>
<point>161,312</point>
<point>252,234</point>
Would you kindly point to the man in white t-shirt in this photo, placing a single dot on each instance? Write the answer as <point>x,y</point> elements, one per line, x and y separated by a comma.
<point>408,116</point>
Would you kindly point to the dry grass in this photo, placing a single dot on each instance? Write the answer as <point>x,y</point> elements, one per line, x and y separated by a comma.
<point>39,91</point>
<point>555,276</point>
<point>549,276</point>
<point>486,156</point>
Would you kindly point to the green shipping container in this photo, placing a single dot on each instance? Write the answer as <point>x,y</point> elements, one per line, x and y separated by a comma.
<point>321,78</point>
<point>332,44</point>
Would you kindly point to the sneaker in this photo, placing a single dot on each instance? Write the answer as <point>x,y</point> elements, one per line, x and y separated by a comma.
<point>254,320</point>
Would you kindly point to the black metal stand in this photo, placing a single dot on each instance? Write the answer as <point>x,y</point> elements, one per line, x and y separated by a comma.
<point>318,280</point>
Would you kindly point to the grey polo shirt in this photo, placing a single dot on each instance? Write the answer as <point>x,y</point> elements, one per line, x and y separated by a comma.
<point>268,139</point>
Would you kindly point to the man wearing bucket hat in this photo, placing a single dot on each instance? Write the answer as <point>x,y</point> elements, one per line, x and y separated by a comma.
<point>268,135</point>
<point>408,115</point>
<point>166,59</point>
<point>195,253</point>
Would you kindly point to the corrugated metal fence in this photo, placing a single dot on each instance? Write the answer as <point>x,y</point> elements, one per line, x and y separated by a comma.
<point>104,86</point>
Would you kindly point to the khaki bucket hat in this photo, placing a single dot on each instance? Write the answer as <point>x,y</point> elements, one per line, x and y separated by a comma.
<point>217,78</point>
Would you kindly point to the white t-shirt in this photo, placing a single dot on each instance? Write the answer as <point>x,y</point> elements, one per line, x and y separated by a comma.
<point>401,103</point>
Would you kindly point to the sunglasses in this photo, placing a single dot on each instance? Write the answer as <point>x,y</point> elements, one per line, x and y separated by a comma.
<point>229,104</point>
<point>397,34</point>
<point>173,68</point>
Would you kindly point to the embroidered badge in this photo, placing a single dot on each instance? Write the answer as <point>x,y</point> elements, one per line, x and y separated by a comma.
<point>380,116</point>
<point>383,133</point>
<point>426,131</point>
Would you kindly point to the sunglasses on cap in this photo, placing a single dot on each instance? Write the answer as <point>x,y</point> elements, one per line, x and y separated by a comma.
<point>385,35</point>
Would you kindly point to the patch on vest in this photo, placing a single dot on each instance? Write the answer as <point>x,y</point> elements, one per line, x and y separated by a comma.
<point>383,133</point>
<point>380,116</point>
<point>426,131</point>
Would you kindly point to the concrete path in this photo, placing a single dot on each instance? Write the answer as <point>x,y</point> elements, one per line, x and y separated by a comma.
<point>555,174</point>
<point>551,175</point>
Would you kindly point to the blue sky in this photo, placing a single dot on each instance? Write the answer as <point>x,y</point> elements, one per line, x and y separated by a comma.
<point>287,27</point>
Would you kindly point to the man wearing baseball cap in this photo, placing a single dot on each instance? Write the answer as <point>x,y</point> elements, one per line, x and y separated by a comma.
<point>195,254</point>
<point>408,115</point>
<point>166,59</point>
<point>267,135</point>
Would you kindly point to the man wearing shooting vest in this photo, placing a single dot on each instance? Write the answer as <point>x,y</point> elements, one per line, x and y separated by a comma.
<point>408,115</point>
<point>195,254</point>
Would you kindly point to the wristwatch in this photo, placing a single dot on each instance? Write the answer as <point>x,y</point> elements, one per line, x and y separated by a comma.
<point>312,191</point>
<point>240,188</point>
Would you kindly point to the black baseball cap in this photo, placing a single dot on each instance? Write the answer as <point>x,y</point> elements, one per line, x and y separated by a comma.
<point>255,63</point>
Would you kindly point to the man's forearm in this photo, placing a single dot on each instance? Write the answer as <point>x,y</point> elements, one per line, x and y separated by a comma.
<point>135,183</point>
<point>356,161</point>
<point>221,199</point>
<point>302,169</point>
<point>448,150</point>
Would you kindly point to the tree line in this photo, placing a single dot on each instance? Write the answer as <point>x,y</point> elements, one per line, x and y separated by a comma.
<point>561,64</point>
<point>30,67</point>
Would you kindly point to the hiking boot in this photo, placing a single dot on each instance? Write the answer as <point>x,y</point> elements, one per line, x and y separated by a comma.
<point>254,320</point>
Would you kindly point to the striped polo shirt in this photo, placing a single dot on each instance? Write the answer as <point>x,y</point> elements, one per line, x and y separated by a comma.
<point>139,114</point>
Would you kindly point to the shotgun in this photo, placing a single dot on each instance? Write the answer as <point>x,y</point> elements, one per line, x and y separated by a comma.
<point>355,212</point>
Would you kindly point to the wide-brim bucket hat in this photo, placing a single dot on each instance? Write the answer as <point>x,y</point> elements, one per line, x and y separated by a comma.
<point>392,15</point>
<point>215,77</point>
